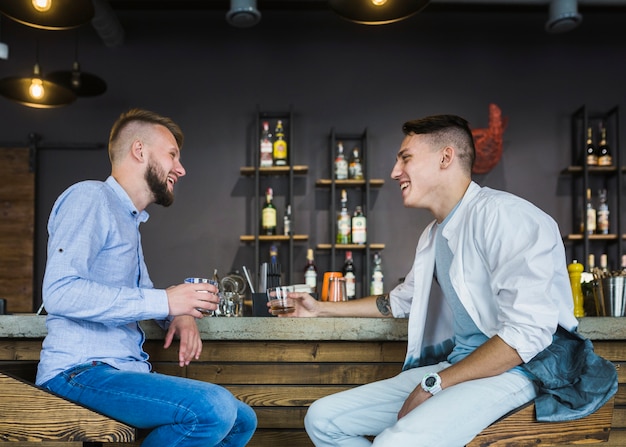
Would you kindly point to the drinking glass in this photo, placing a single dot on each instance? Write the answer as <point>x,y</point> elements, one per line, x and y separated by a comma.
<point>194,280</point>
<point>280,303</point>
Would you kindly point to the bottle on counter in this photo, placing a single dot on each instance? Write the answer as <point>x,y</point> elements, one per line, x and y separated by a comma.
<point>376,285</point>
<point>267,147</point>
<point>268,214</point>
<point>355,168</point>
<point>343,221</point>
<point>590,213</point>
<point>341,164</point>
<point>287,221</point>
<point>350,275</point>
<point>280,145</point>
<point>575,270</point>
<point>592,153</point>
<point>310,271</point>
<point>604,152</point>
<point>359,226</point>
<point>602,214</point>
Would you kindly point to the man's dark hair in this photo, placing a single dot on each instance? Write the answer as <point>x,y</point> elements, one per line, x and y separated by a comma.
<point>446,130</point>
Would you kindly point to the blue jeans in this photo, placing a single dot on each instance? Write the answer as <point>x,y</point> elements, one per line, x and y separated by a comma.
<point>451,418</point>
<point>179,412</point>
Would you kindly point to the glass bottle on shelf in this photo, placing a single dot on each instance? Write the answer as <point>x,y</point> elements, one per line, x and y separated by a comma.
<point>266,148</point>
<point>590,213</point>
<point>287,221</point>
<point>376,285</point>
<point>310,271</point>
<point>349,274</point>
<point>341,164</point>
<point>602,214</point>
<point>355,168</point>
<point>604,152</point>
<point>592,153</point>
<point>343,220</point>
<point>359,227</point>
<point>268,214</point>
<point>604,264</point>
<point>280,145</point>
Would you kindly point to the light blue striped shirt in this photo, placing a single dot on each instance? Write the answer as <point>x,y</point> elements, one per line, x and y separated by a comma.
<point>96,287</point>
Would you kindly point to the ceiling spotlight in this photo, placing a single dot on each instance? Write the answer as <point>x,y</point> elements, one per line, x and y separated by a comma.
<point>377,12</point>
<point>49,14</point>
<point>243,13</point>
<point>563,16</point>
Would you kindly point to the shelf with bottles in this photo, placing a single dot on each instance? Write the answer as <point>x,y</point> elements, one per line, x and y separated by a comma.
<point>350,185</point>
<point>596,183</point>
<point>273,167</point>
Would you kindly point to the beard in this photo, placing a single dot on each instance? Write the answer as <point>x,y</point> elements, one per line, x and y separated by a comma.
<point>159,187</point>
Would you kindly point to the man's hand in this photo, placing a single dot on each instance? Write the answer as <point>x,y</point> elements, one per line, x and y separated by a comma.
<point>417,396</point>
<point>186,329</point>
<point>192,299</point>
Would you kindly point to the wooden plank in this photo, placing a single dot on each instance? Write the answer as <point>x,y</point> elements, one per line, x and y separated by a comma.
<point>296,351</point>
<point>282,396</point>
<point>17,220</point>
<point>280,417</point>
<point>292,373</point>
<point>29,413</point>
<point>19,349</point>
<point>521,429</point>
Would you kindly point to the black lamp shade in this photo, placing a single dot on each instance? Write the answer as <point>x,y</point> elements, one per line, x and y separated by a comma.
<point>367,12</point>
<point>82,84</point>
<point>16,89</point>
<point>63,14</point>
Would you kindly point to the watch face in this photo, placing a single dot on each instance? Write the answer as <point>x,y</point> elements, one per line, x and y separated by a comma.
<point>430,381</point>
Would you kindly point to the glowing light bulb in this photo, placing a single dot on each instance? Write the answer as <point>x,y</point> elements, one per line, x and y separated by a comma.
<point>36,90</point>
<point>42,5</point>
<point>374,2</point>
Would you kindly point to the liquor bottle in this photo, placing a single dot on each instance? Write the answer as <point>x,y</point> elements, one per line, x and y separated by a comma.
<point>376,285</point>
<point>355,168</point>
<point>273,254</point>
<point>266,160</point>
<point>602,226</point>
<point>287,221</point>
<point>590,213</point>
<point>343,220</point>
<point>604,264</point>
<point>310,271</point>
<point>280,145</point>
<point>268,214</point>
<point>592,153</point>
<point>359,227</point>
<point>349,274</point>
<point>604,152</point>
<point>341,164</point>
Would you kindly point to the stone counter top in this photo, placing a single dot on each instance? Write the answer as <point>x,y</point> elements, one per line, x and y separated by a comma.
<point>268,328</point>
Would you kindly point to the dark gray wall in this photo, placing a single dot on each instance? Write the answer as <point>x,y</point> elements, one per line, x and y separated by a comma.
<point>210,77</point>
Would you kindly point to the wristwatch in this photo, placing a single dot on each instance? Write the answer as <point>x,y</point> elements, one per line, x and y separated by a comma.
<point>431,383</point>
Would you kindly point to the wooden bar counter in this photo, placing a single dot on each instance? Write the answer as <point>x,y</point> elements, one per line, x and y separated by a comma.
<point>280,366</point>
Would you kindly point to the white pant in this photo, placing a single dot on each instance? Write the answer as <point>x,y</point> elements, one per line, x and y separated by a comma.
<point>451,418</point>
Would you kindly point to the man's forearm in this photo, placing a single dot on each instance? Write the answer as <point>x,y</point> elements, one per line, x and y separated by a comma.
<point>375,306</point>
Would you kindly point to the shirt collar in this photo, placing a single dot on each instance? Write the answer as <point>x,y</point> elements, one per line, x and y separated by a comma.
<point>142,216</point>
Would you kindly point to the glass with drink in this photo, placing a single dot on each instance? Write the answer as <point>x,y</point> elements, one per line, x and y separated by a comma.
<point>280,303</point>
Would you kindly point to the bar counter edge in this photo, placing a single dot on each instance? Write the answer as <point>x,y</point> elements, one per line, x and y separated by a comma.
<point>268,328</point>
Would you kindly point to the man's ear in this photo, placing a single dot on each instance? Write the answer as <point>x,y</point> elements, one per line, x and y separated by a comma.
<point>447,155</point>
<point>136,151</point>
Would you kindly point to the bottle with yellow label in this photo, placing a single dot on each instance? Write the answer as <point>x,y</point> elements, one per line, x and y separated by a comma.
<point>280,145</point>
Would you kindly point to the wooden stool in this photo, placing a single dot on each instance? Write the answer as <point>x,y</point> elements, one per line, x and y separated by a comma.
<point>521,429</point>
<point>31,414</point>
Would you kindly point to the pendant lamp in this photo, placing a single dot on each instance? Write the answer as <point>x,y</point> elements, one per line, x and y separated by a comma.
<point>81,83</point>
<point>376,12</point>
<point>49,14</point>
<point>35,91</point>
